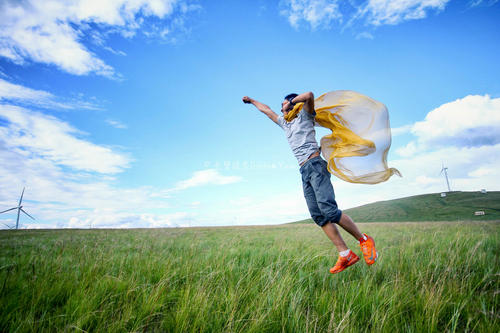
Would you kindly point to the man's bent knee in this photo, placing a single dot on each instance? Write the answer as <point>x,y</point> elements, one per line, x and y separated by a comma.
<point>319,220</point>
<point>322,220</point>
<point>334,217</point>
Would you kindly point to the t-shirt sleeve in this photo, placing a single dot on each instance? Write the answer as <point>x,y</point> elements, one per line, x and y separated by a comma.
<point>307,115</point>
<point>281,121</point>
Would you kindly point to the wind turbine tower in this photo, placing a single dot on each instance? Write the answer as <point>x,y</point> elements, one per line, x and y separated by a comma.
<point>19,210</point>
<point>445,170</point>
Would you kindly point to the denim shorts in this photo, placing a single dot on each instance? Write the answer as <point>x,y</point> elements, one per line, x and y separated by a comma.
<point>318,191</point>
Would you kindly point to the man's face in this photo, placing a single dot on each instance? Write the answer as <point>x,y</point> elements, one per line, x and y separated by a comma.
<point>286,106</point>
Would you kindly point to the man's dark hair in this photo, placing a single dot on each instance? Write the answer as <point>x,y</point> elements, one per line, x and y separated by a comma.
<point>290,97</point>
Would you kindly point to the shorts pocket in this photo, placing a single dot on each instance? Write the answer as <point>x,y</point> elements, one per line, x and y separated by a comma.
<point>319,166</point>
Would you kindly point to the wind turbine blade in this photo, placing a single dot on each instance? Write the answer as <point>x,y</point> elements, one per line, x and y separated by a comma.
<point>21,199</point>
<point>8,226</point>
<point>8,210</point>
<point>27,214</point>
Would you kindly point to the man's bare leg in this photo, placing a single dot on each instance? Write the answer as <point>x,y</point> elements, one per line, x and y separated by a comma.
<point>348,225</point>
<point>333,233</point>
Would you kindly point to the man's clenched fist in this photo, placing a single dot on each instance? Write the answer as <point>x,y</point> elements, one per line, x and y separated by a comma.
<point>247,100</point>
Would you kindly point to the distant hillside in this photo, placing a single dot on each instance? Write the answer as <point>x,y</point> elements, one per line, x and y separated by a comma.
<point>430,207</point>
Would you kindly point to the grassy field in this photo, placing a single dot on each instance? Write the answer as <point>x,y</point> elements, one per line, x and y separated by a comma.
<point>431,277</point>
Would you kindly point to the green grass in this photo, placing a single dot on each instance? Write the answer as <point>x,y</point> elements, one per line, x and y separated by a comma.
<point>431,277</point>
<point>431,207</point>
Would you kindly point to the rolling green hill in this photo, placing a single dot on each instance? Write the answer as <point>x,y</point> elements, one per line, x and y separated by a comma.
<point>430,207</point>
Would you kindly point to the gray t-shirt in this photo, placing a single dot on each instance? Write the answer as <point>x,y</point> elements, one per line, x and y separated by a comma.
<point>300,134</point>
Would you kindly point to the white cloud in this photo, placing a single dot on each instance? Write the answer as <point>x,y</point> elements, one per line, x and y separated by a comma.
<point>373,12</point>
<point>408,150</point>
<point>485,170</point>
<point>112,219</point>
<point>206,177</point>
<point>379,12</point>
<point>475,3</point>
<point>51,31</point>
<point>316,13</point>
<point>32,132</point>
<point>401,130</point>
<point>470,121</point>
<point>365,35</point>
<point>424,180</point>
<point>10,92</point>
<point>116,124</point>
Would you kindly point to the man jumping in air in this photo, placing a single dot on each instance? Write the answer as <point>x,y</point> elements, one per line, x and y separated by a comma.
<point>318,190</point>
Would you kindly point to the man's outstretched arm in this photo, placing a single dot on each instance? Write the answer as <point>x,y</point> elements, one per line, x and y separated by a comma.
<point>262,108</point>
<point>308,100</point>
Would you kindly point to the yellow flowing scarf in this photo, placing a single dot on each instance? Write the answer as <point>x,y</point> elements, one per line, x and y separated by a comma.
<point>357,148</point>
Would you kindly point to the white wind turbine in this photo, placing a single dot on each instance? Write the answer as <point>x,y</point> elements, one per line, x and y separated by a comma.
<point>445,169</point>
<point>19,210</point>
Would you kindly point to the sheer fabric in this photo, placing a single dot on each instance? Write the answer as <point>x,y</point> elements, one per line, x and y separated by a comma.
<point>357,148</point>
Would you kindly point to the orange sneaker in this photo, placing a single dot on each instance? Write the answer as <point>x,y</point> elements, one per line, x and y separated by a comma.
<point>344,262</point>
<point>368,249</point>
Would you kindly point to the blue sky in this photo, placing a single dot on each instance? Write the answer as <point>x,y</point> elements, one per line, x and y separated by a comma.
<point>129,113</point>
